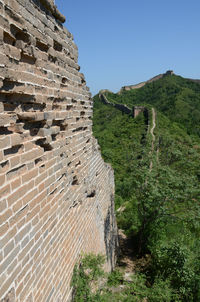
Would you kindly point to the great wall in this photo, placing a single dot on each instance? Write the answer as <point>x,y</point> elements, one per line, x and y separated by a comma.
<point>139,85</point>
<point>134,111</point>
<point>56,193</point>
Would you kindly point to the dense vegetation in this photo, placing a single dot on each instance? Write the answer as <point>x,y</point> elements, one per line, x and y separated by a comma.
<point>91,284</point>
<point>159,207</point>
<point>176,97</point>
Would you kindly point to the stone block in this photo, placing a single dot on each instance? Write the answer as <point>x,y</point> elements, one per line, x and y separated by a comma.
<point>14,52</point>
<point>10,297</point>
<point>7,119</point>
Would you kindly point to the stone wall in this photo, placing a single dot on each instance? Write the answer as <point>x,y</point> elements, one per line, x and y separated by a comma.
<point>139,85</point>
<point>121,107</point>
<point>56,193</point>
<point>138,109</point>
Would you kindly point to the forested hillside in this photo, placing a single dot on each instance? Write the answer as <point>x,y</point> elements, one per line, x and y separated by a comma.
<point>176,97</point>
<point>157,178</point>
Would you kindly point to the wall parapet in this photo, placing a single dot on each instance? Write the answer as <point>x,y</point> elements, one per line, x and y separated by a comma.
<point>49,5</point>
<point>121,107</point>
<point>56,192</point>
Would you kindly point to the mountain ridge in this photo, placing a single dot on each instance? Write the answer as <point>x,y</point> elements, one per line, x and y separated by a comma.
<point>156,164</point>
<point>141,84</point>
<point>153,79</point>
<point>175,96</point>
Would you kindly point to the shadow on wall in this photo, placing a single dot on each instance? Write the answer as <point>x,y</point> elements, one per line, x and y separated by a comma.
<point>111,235</point>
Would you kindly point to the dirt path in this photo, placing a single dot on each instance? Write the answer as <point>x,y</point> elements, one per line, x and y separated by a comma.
<point>153,127</point>
<point>128,261</point>
<point>152,134</point>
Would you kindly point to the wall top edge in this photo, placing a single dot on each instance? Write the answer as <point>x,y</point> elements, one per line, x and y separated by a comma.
<point>49,5</point>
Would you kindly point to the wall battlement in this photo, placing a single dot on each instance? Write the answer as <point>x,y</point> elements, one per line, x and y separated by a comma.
<point>56,193</point>
<point>140,85</point>
<point>121,107</point>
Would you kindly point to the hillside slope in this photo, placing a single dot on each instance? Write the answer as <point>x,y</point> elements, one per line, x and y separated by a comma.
<point>141,84</point>
<point>176,97</point>
<point>157,178</point>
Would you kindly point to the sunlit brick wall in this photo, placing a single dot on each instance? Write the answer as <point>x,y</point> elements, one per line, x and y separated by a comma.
<point>56,193</point>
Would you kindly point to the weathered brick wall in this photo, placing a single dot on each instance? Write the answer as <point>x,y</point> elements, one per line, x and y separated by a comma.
<point>56,193</point>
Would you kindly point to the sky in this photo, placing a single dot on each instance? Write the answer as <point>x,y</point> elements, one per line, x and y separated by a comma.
<point>126,42</point>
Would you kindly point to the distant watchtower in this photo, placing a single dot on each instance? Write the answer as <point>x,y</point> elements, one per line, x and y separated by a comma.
<point>137,110</point>
<point>169,72</point>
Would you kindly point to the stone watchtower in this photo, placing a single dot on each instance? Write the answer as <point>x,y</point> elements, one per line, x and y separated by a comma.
<point>137,110</point>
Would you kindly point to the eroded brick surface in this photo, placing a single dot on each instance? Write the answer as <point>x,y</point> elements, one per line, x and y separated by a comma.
<point>56,193</point>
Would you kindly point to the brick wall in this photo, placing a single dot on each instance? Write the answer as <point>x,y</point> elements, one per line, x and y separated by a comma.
<point>56,193</point>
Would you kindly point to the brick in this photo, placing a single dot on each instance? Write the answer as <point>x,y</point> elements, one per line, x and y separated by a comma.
<point>4,22</point>
<point>37,200</point>
<point>3,59</point>
<point>4,141</point>
<point>30,185</point>
<point>25,242</point>
<point>29,156</point>
<point>36,247</point>
<point>35,220</point>
<point>44,210</point>
<point>30,196</point>
<point>12,267</point>
<point>9,259</point>
<point>19,289</point>
<point>15,172</point>
<point>8,248</point>
<point>25,251</point>
<point>27,278</point>
<point>1,156</point>
<point>21,223</point>
<point>16,195</point>
<point>41,178</point>
<point>14,52</point>
<point>24,271</point>
<point>26,290</point>
<point>19,215</point>
<point>14,161</point>
<point>28,146</point>
<point>2,179</point>
<point>44,132</point>
<point>41,187</point>
<point>9,235</point>
<point>6,120</point>
<point>16,139</point>
<point>30,175</point>
<point>9,281</point>
<point>4,217</point>
<point>30,166</point>
<point>3,205</point>
<point>15,184</point>
<point>17,206</point>
<point>25,261</point>
<point>22,233</point>
<point>4,191</point>
<point>33,213</point>
<point>32,116</point>
<point>3,229</point>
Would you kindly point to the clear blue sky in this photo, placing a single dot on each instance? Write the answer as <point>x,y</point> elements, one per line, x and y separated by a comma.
<point>126,42</point>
